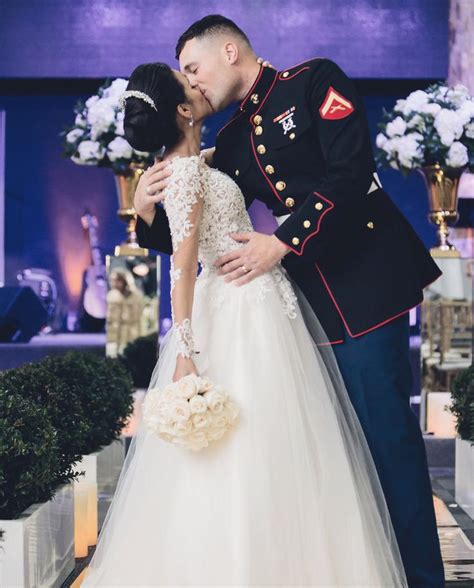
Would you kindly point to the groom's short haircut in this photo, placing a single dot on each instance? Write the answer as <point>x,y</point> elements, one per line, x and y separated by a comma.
<point>213,24</point>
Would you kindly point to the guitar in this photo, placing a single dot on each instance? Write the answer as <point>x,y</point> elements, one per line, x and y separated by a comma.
<point>95,293</point>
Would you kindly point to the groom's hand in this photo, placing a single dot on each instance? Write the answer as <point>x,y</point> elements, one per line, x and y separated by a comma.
<point>258,255</point>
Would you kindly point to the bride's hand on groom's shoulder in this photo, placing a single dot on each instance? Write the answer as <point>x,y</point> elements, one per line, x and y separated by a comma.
<point>208,155</point>
<point>150,188</point>
<point>264,62</point>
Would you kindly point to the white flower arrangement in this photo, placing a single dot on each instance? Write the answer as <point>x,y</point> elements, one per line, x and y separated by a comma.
<point>96,138</point>
<point>190,413</point>
<point>431,126</point>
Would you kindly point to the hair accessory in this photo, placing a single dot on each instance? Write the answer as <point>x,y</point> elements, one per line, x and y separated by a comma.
<point>136,94</point>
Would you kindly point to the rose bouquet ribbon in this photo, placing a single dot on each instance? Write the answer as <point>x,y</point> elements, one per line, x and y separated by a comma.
<point>190,413</point>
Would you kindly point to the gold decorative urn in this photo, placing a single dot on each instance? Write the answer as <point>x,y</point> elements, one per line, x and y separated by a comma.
<point>126,186</point>
<point>442,184</point>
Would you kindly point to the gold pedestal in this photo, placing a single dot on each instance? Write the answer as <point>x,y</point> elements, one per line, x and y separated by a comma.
<point>126,186</point>
<point>442,184</point>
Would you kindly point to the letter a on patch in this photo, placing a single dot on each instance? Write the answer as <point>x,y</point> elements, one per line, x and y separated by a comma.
<point>335,106</point>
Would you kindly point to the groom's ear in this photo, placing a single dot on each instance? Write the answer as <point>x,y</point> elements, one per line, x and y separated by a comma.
<point>231,52</point>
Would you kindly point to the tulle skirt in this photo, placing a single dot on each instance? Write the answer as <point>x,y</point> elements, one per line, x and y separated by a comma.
<point>289,497</point>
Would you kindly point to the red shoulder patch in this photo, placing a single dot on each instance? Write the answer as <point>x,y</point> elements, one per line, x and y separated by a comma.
<point>335,106</point>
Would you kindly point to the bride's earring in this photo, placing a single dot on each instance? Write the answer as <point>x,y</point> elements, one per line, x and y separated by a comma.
<point>191,122</point>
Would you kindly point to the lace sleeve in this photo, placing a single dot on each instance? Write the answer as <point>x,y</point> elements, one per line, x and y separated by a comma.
<point>183,203</point>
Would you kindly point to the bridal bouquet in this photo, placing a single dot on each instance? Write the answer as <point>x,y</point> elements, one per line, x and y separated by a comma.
<point>191,412</point>
<point>431,126</point>
<point>97,135</point>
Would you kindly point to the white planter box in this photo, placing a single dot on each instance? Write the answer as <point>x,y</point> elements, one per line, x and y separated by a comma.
<point>38,547</point>
<point>464,476</point>
<point>93,492</point>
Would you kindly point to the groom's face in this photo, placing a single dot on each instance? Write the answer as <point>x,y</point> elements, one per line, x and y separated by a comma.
<point>204,63</point>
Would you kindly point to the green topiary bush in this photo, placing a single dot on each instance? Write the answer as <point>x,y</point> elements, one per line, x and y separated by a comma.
<point>30,459</point>
<point>52,412</point>
<point>140,357</point>
<point>104,388</point>
<point>462,405</point>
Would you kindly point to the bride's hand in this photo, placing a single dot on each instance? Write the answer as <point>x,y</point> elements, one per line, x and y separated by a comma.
<point>184,367</point>
<point>150,188</point>
<point>208,155</point>
<point>265,62</point>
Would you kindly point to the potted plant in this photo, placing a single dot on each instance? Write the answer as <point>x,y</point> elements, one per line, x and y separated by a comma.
<point>36,496</point>
<point>462,406</point>
<point>432,131</point>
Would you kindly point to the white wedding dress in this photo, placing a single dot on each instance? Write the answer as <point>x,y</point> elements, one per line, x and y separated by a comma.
<point>290,496</point>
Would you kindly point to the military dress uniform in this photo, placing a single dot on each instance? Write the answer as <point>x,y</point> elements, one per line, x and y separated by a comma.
<point>299,141</point>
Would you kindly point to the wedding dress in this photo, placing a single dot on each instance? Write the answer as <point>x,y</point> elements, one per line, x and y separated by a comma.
<point>290,496</point>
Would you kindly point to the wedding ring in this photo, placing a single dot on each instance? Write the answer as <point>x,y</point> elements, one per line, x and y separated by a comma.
<point>140,171</point>
<point>148,191</point>
<point>245,269</point>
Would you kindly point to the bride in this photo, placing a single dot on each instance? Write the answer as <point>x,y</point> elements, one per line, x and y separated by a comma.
<point>290,496</point>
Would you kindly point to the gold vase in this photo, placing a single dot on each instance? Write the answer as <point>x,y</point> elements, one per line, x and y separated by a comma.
<point>126,185</point>
<point>442,184</point>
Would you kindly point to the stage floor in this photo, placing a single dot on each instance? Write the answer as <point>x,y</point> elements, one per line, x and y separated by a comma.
<point>16,354</point>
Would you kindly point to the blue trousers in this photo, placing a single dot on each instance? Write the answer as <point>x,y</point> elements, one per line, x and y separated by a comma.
<point>377,373</point>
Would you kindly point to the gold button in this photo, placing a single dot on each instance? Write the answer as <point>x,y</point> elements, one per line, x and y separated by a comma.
<point>292,135</point>
<point>237,172</point>
<point>370,224</point>
<point>280,185</point>
<point>258,130</point>
<point>269,169</point>
<point>306,224</point>
<point>261,149</point>
<point>295,241</point>
<point>254,98</point>
<point>285,74</point>
<point>289,202</point>
<point>318,206</point>
<point>257,119</point>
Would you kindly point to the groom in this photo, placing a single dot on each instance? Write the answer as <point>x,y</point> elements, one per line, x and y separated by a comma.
<point>299,142</point>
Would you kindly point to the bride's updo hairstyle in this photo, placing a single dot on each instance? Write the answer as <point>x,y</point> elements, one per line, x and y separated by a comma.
<point>145,128</point>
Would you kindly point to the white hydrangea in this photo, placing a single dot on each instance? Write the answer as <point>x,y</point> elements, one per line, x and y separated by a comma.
<point>458,94</point>
<point>73,135</point>
<point>80,121</point>
<point>396,127</point>
<point>466,111</point>
<point>119,123</point>
<point>414,101</point>
<point>457,155</point>
<point>417,122</point>
<point>449,125</point>
<point>116,88</point>
<point>409,148</point>
<point>102,113</point>
<point>380,140</point>
<point>90,101</point>
<point>90,152</point>
<point>119,148</point>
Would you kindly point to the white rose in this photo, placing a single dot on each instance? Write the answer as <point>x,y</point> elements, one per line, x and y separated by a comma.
<point>73,135</point>
<point>457,155</point>
<point>216,400</point>
<point>396,127</point>
<point>119,148</point>
<point>179,410</point>
<point>232,412</point>
<point>205,384</point>
<point>449,125</point>
<point>197,440</point>
<point>200,421</point>
<point>198,404</point>
<point>183,427</point>
<point>187,386</point>
<point>90,151</point>
<point>380,140</point>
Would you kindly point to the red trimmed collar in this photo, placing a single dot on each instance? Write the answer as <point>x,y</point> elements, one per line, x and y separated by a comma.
<point>259,89</point>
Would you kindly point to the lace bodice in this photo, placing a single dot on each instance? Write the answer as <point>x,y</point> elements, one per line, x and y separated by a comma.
<point>200,195</point>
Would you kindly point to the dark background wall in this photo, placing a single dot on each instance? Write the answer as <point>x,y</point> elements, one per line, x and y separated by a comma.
<point>54,52</point>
